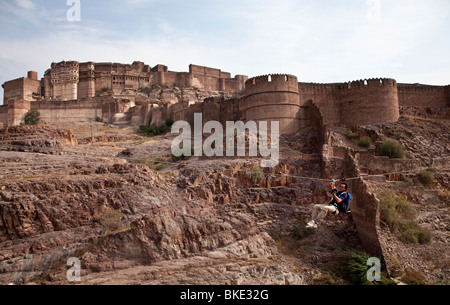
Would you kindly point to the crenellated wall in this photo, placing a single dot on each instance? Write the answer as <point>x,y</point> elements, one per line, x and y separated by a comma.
<point>324,96</point>
<point>369,101</point>
<point>275,97</point>
<point>417,95</point>
<point>280,97</point>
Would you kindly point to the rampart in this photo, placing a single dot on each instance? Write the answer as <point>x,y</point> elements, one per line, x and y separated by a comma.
<point>274,97</point>
<point>69,111</point>
<point>324,96</point>
<point>417,95</point>
<point>354,103</point>
<point>369,101</point>
<point>280,97</point>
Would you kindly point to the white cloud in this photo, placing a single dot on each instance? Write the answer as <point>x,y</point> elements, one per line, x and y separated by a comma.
<point>321,41</point>
<point>27,4</point>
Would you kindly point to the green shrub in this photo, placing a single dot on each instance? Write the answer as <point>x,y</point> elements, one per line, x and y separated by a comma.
<point>32,117</point>
<point>357,269</point>
<point>357,264</point>
<point>365,142</point>
<point>412,277</point>
<point>426,177</point>
<point>412,232</point>
<point>145,90</point>
<point>256,175</point>
<point>398,214</point>
<point>159,167</point>
<point>388,210</point>
<point>408,181</point>
<point>350,134</point>
<point>155,131</point>
<point>183,157</point>
<point>392,149</point>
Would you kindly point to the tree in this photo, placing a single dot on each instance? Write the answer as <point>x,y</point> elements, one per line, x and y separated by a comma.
<point>32,117</point>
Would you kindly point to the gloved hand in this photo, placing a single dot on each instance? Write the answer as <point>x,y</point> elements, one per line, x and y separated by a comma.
<point>334,191</point>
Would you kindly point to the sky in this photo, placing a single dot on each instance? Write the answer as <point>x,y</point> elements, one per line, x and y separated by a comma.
<point>319,41</point>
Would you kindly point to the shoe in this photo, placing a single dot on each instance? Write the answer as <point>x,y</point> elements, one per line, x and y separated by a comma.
<point>311,225</point>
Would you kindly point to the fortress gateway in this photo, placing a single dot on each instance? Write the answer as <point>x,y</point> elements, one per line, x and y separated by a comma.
<point>73,91</point>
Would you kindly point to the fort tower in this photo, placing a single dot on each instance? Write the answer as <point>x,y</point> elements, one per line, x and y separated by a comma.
<point>274,97</point>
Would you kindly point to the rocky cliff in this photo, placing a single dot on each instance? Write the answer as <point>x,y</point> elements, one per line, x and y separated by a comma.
<point>132,215</point>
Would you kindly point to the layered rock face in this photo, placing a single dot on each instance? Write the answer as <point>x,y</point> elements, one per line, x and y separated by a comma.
<point>114,215</point>
<point>132,215</point>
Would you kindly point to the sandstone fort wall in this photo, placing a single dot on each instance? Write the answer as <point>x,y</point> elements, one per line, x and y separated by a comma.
<point>19,93</point>
<point>213,109</point>
<point>3,115</point>
<point>368,102</point>
<point>354,103</point>
<point>274,97</point>
<point>416,95</point>
<point>69,111</point>
<point>27,89</point>
<point>70,80</point>
<point>324,96</point>
<point>62,81</point>
<point>17,111</point>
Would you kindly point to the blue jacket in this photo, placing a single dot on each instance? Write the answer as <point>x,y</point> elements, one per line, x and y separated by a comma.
<point>343,206</point>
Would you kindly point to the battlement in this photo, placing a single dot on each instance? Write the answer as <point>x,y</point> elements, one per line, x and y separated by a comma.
<point>418,88</point>
<point>314,88</point>
<point>271,82</point>
<point>370,83</point>
<point>418,95</point>
<point>271,78</point>
<point>369,101</point>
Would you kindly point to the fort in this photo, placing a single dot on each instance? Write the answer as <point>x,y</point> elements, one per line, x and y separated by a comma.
<point>74,91</point>
<point>220,210</point>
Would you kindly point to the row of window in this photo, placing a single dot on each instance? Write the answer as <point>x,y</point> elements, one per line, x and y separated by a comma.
<point>59,81</point>
<point>56,74</point>
<point>130,78</point>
